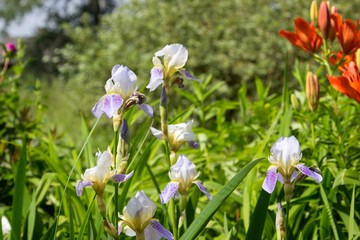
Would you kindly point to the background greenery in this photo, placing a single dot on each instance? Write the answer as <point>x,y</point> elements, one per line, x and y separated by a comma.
<point>240,109</point>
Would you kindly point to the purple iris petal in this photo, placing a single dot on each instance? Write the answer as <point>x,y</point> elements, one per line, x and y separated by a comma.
<point>80,185</point>
<point>122,177</point>
<point>270,179</point>
<point>280,178</point>
<point>294,175</point>
<point>306,171</point>
<point>194,144</point>
<point>203,189</point>
<point>107,104</point>
<point>147,109</point>
<point>156,78</point>
<point>124,130</point>
<point>188,75</point>
<point>160,230</point>
<point>169,191</point>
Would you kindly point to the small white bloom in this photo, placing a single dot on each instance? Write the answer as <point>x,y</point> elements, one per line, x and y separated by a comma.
<point>6,227</point>
<point>182,174</point>
<point>98,176</point>
<point>174,59</point>
<point>138,219</point>
<point>285,163</point>
<point>178,134</point>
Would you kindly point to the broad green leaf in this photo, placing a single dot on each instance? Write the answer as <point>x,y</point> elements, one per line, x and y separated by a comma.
<point>209,210</point>
<point>258,218</point>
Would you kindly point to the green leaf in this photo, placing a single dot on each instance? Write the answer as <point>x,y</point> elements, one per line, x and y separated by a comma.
<point>352,221</point>
<point>200,222</point>
<point>19,194</point>
<point>329,212</point>
<point>86,220</point>
<point>258,218</point>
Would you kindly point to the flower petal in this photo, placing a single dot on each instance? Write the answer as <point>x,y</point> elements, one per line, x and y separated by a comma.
<point>157,133</point>
<point>203,189</point>
<point>306,171</point>
<point>156,227</point>
<point>129,232</point>
<point>294,175</point>
<point>175,56</point>
<point>156,78</point>
<point>169,191</point>
<point>270,179</point>
<point>147,109</point>
<point>107,104</point>
<point>120,223</point>
<point>80,185</point>
<point>122,177</point>
<point>188,75</point>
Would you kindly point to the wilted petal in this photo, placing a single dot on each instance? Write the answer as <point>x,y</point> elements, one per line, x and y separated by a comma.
<point>157,133</point>
<point>194,144</point>
<point>306,171</point>
<point>147,109</point>
<point>270,179</point>
<point>80,185</point>
<point>122,177</point>
<point>156,78</point>
<point>169,191</point>
<point>203,189</point>
<point>188,75</point>
<point>107,104</point>
<point>156,227</point>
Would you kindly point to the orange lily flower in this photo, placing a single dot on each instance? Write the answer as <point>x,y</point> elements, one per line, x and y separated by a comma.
<point>345,60</point>
<point>305,36</point>
<point>347,33</point>
<point>348,83</point>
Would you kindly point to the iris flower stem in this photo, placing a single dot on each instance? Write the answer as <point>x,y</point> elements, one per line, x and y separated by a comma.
<point>173,220</point>
<point>116,140</point>
<point>287,219</point>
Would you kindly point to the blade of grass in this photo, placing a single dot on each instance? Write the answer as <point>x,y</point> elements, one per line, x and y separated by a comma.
<point>258,218</point>
<point>328,211</point>
<point>200,222</point>
<point>352,213</point>
<point>72,170</point>
<point>19,194</point>
<point>86,220</point>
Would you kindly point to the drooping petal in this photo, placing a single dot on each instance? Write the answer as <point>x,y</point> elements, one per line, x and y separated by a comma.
<point>157,133</point>
<point>280,178</point>
<point>80,185</point>
<point>188,75</point>
<point>122,177</point>
<point>169,191</point>
<point>306,171</point>
<point>107,104</point>
<point>270,179</point>
<point>156,78</point>
<point>294,175</point>
<point>159,229</point>
<point>147,109</point>
<point>342,84</point>
<point>203,189</point>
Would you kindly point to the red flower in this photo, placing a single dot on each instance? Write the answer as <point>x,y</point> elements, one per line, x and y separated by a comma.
<point>348,83</point>
<point>345,60</point>
<point>347,34</point>
<point>305,36</point>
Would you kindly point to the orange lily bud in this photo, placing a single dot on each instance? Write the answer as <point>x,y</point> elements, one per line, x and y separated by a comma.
<point>324,20</point>
<point>333,9</point>
<point>312,91</point>
<point>314,12</point>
